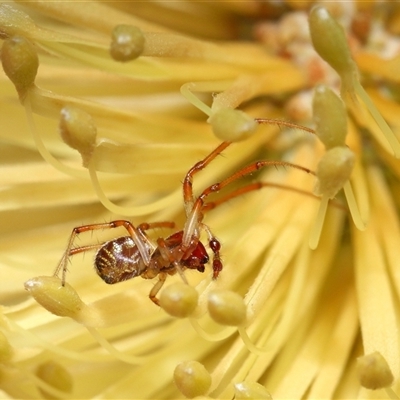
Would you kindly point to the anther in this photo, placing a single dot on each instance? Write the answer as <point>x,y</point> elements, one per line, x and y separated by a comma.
<point>127,43</point>
<point>232,125</point>
<point>55,375</point>
<point>374,371</point>
<point>78,131</point>
<point>226,307</point>
<point>20,63</point>
<point>192,379</point>
<point>179,299</point>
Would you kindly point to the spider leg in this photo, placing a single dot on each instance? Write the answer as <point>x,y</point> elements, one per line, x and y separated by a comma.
<point>195,216</point>
<point>249,169</point>
<point>188,181</point>
<point>156,288</point>
<point>144,246</point>
<point>145,226</point>
<point>188,197</point>
<point>210,205</point>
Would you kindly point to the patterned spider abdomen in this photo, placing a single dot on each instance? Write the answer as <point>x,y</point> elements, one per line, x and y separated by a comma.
<point>119,260</point>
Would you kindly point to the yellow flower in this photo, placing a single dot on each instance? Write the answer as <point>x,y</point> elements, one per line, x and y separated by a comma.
<point>117,102</point>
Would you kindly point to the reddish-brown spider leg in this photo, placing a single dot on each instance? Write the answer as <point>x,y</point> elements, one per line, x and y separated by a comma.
<point>188,197</point>
<point>157,287</point>
<point>145,226</point>
<point>143,244</point>
<point>188,181</point>
<point>210,205</point>
<point>196,215</point>
<point>194,218</point>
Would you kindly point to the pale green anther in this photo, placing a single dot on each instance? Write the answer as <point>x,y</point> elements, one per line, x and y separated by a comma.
<point>192,379</point>
<point>333,171</point>
<point>251,390</point>
<point>127,43</point>
<point>20,62</point>
<point>79,131</point>
<point>330,117</point>
<point>329,40</point>
<point>232,125</point>
<point>226,307</point>
<point>374,371</point>
<point>179,299</point>
<point>60,300</point>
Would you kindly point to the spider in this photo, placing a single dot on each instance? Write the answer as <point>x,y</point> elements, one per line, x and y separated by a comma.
<point>135,255</point>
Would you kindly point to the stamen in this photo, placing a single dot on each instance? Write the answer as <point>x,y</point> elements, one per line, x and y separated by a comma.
<point>55,375</point>
<point>192,379</point>
<point>47,156</point>
<point>319,222</point>
<point>62,300</point>
<point>333,171</point>
<point>330,117</point>
<point>56,349</point>
<point>188,88</point>
<point>378,315</point>
<point>359,187</point>
<point>78,131</point>
<point>230,125</point>
<point>374,371</point>
<point>129,211</point>
<point>226,307</point>
<point>127,43</point>
<point>251,390</point>
<point>212,337</point>
<point>20,63</point>
<point>330,42</point>
<point>383,125</point>
<point>179,299</point>
<point>119,355</point>
<point>336,165</point>
<point>353,207</point>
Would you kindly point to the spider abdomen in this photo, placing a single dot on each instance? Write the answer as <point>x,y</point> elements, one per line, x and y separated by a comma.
<point>119,260</point>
